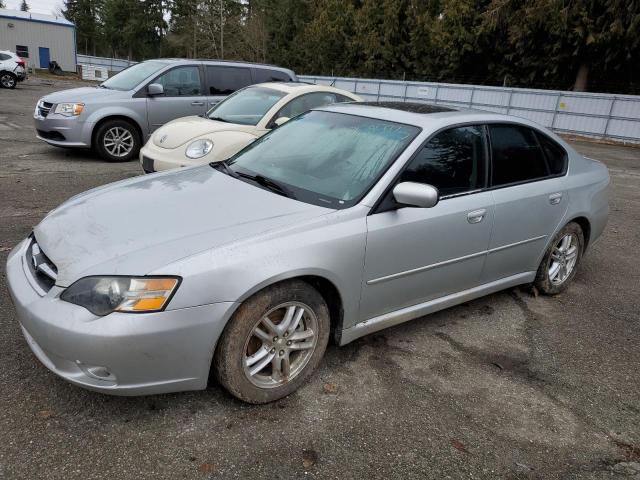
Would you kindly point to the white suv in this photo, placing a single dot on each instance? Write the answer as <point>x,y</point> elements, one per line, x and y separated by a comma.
<point>12,69</point>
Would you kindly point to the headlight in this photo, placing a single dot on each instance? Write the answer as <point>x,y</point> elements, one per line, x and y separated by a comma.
<point>104,295</point>
<point>69,109</point>
<point>199,148</point>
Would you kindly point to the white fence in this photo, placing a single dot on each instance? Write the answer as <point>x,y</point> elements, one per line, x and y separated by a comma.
<point>600,115</point>
<point>111,64</point>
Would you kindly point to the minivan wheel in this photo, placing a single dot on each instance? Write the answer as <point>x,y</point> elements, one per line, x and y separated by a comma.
<point>8,80</point>
<point>117,141</point>
<point>561,260</point>
<point>273,342</point>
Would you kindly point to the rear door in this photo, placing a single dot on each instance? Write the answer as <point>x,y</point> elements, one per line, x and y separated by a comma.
<point>183,96</point>
<point>414,255</point>
<point>223,80</point>
<point>530,197</point>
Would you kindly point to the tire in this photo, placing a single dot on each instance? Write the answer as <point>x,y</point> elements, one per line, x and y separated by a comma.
<point>8,80</point>
<point>240,351</point>
<point>117,141</point>
<point>550,279</point>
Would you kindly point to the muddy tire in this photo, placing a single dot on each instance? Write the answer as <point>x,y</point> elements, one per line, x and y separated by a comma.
<point>117,141</point>
<point>273,342</point>
<point>561,260</point>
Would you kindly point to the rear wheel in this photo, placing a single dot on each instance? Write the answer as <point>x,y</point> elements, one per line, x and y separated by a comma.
<point>561,260</point>
<point>8,80</point>
<point>273,342</point>
<point>117,141</point>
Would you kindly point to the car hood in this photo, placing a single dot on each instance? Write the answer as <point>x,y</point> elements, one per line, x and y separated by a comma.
<point>138,225</point>
<point>180,131</point>
<point>83,94</point>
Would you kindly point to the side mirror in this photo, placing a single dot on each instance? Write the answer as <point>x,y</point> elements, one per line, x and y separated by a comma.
<point>155,89</point>
<point>281,120</point>
<point>414,194</point>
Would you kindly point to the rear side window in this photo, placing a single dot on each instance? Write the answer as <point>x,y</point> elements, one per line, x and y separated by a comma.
<point>307,102</point>
<point>516,155</point>
<point>453,161</point>
<point>4,56</point>
<point>226,80</point>
<point>556,155</point>
<point>261,75</point>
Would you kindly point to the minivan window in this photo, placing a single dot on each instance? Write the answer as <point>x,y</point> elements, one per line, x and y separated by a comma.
<point>453,161</point>
<point>247,106</point>
<point>516,155</point>
<point>326,158</point>
<point>131,77</point>
<point>261,75</point>
<point>181,81</point>
<point>226,80</point>
<point>556,155</point>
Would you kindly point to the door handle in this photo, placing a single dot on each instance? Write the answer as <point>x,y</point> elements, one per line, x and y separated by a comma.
<point>197,104</point>
<point>476,216</point>
<point>215,102</point>
<point>555,198</point>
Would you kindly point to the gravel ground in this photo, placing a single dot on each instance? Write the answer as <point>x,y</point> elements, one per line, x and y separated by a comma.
<point>507,386</point>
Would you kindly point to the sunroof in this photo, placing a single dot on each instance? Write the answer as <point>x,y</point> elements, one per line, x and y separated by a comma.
<point>412,107</point>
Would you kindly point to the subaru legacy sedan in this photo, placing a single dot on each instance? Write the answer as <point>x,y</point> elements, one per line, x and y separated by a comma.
<point>346,220</point>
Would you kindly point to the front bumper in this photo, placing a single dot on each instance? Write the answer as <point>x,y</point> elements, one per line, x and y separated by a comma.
<point>156,159</point>
<point>63,131</point>
<point>120,354</point>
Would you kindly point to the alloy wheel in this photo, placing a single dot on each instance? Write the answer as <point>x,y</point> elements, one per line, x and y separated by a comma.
<point>118,142</point>
<point>280,345</point>
<point>7,81</point>
<point>563,258</point>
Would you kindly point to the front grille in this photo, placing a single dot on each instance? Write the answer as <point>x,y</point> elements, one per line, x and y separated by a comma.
<point>51,135</point>
<point>42,269</point>
<point>44,108</point>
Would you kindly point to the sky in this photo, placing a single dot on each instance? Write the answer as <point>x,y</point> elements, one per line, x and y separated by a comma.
<point>50,7</point>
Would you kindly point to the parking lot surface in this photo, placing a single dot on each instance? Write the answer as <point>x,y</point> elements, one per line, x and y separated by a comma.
<point>508,386</point>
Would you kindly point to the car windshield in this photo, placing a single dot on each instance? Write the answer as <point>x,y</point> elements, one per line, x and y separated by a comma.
<point>131,77</point>
<point>246,106</point>
<point>325,158</point>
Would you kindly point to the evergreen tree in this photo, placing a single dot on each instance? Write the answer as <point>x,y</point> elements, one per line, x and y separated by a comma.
<point>24,6</point>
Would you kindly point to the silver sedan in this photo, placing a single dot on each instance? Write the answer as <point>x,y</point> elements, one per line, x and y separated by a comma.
<point>345,220</point>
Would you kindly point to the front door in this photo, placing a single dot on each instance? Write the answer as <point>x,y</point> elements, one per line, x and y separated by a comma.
<point>45,58</point>
<point>183,96</point>
<point>530,198</point>
<point>414,255</point>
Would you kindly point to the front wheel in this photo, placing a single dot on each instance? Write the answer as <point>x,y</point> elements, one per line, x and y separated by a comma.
<point>8,80</point>
<point>273,342</point>
<point>117,141</point>
<point>560,262</point>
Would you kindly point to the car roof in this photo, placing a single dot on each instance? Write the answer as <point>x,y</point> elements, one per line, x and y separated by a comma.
<point>301,87</point>
<point>428,116</point>
<point>223,62</point>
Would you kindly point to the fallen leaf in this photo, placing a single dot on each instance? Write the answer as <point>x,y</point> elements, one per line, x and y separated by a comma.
<point>330,388</point>
<point>45,413</point>
<point>458,445</point>
<point>207,468</point>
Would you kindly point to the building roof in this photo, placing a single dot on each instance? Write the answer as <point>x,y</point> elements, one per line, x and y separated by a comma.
<point>35,17</point>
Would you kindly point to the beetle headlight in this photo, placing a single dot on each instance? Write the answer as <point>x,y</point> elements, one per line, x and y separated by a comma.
<point>69,109</point>
<point>199,148</point>
<point>104,295</point>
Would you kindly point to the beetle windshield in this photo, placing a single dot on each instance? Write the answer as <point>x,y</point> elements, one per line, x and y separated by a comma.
<point>326,158</point>
<point>132,77</point>
<point>247,106</point>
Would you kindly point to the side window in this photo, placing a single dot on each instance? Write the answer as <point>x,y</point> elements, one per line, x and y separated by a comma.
<point>22,51</point>
<point>453,161</point>
<point>556,155</point>
<point>4,56</point>
<point>261,75</point>
<point>181,82</point>
<point>305,103</point>
<point>226,80</point>
<point>516,155</point>
<point>343,98</point>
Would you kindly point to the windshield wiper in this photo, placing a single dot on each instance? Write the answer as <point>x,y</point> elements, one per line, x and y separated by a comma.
<point>219,119</point>
<point>227,169</point>
<point>268,183</point>
<point>102,86</point>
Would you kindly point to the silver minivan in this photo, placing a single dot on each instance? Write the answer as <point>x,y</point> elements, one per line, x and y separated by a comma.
<point>116,117</point>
